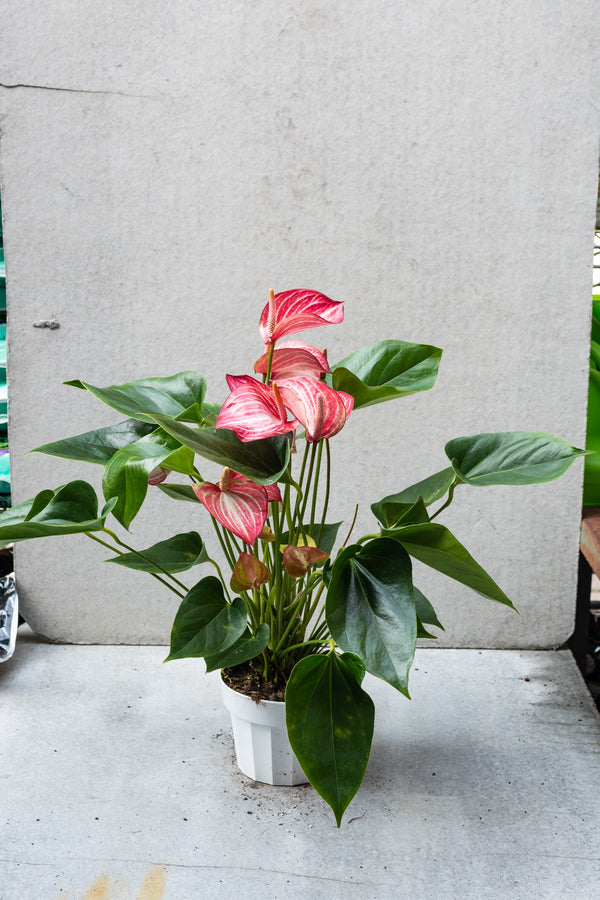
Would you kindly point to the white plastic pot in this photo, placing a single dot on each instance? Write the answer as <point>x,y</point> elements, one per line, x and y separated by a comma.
<point>261,743</point>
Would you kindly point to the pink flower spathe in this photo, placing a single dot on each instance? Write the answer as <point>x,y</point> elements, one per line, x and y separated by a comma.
<point>321,410</point>
<point>292,311</point>
<point>237,503</point>
<point>253,410</point>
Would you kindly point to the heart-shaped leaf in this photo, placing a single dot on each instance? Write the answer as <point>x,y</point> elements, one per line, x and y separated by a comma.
<point>330,726</point>
<point>511,457</point>
<point>386,370</point>
<point>141,399</point>
<point>264,461</point>
<point>370,609</point>
<point>206,624</point>
<point>246,647</point>
<point>70,509</point>
<point>100,445</point>
<point>437,547</point>
<point>177,554</point>
<point>126,473</point>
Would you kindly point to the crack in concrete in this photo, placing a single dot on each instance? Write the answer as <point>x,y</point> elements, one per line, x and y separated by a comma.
<point>258,869</point>
<point>47,87</point>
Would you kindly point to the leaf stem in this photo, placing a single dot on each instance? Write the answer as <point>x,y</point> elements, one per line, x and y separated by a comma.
<point>144,558</point>
<point>453,487</point>
<point>351,527</point>
<point>94,537</point>
<point>302,644</point>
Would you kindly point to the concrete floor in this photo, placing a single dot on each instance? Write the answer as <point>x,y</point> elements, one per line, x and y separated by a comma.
<point>118,783</point>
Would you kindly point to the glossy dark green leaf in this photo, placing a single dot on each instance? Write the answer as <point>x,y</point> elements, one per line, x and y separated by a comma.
<point>370,609</point>
<point>141,399</point>
<point>179,491</point>
<point>246,647</point>
<point>392,508</point>
<point>206,624</point>
<point>512,457</point>
<point>422,631</point>
<point>205,415</point>
<point>437,547</point>
<point>70,509</point>
<point>210,411</point>
<point>405,513</point>
<point>126,473</point>
<point>385,370</point>
<point>263,461</point>
<point>98,446</point>
<point>425,610</point>
<point>330,725</point>
<point>177,554</point>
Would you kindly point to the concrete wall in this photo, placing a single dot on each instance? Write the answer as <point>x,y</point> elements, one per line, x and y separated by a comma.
<point>434,165</point>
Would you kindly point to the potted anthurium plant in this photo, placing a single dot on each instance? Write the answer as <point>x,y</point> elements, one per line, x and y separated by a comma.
<point>306,608</point>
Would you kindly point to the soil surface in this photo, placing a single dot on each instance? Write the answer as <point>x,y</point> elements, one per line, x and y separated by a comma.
<point>246,680</point>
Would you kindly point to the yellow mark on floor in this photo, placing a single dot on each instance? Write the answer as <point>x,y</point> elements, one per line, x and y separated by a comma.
<point>152,887</point>
<point>154,884</point>
<point>99,890</point>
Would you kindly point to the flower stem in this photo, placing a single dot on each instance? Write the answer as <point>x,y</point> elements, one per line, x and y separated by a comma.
<point>313,507</point>
<point>327,488</point>
<point>267,377</point>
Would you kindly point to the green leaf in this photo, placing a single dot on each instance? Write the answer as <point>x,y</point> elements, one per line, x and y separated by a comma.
<point>422,631</point>
<point>370,609</point>
<point>179,491</point>
<point>141,399</point>
<point>126,473</point>
<point>205,415</point>
<point>263,461</point>
<point>425,610</point>
<point>437,547</point>
<point>98,446</point>
<point>177,554</point>
<point>246,647</point>
<point>70,509</point>
<point>206,624</point>
<point>330,726</point>
<point>385,370</point>
<point>391,509</point>
<point>511,457</point>
<point>392,515</point>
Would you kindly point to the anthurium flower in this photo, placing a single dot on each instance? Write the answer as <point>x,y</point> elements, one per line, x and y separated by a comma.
<point>158,475</point>
<point>321,410</point>
<point>293,358</point>
<point>297,310</point>
<point>253,410</point>
<point>298,559</point>
<point>248,572</point>
<point>237,503</point>
<point>273,493</point>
